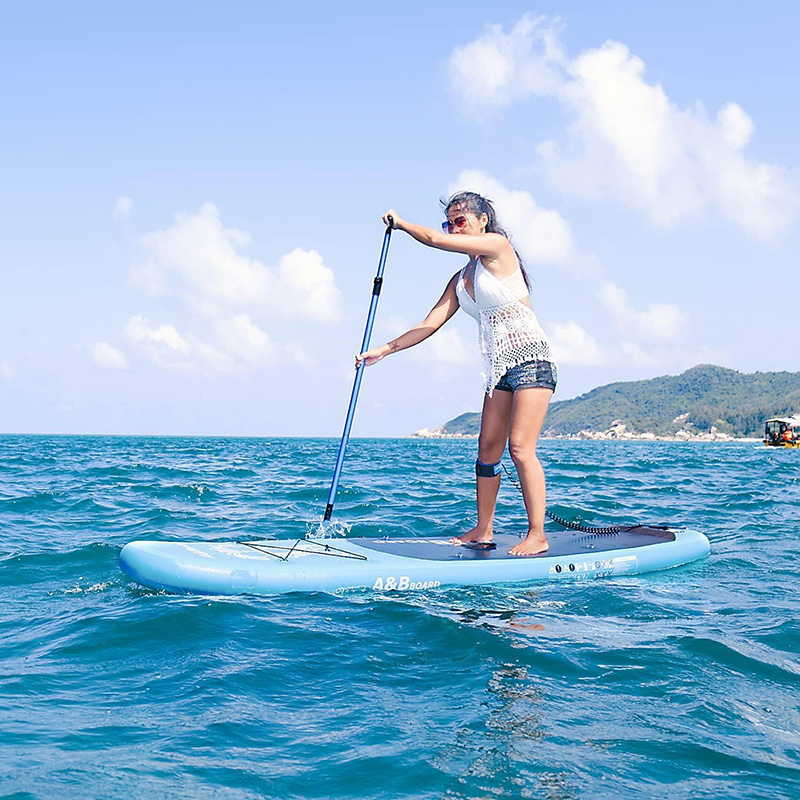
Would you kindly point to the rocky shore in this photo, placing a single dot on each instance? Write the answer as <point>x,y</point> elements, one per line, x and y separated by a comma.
<point>438,433</point>
<point>617,431</point>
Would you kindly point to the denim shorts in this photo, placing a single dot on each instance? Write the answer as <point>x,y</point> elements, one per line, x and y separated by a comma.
<point>542,374</point>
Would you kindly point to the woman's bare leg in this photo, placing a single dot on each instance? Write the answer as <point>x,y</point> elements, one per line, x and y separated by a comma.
<point>527,416</point>
<point>491,445</point>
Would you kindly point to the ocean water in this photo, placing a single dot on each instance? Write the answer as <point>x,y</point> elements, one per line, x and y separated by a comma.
<point>679,684</point>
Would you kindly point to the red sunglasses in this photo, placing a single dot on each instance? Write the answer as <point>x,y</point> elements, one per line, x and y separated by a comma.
<point>458,222</point>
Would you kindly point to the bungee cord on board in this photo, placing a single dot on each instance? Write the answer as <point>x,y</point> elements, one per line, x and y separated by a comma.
<point>607,530</point>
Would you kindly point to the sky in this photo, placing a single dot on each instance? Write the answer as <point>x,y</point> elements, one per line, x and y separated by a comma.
<point>191,193</point>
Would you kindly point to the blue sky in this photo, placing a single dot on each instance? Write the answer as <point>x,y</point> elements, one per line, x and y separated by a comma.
<point>190,200</point>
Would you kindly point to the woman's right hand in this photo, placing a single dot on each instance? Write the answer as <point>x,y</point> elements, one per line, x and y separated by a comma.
<point>392,215</point>
<point>372,356</point>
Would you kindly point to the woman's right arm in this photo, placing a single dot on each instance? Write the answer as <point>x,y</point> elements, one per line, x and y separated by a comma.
<point>439,314</point>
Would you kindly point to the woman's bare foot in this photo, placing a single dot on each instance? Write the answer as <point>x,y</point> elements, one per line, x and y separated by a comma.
<point>475,535</point>
<point>533,544</point>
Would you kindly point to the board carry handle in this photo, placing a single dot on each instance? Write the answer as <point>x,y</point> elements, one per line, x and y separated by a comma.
<point>351,409</point>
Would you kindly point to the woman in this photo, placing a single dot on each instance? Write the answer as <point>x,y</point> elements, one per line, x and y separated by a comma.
<point>520,371</point>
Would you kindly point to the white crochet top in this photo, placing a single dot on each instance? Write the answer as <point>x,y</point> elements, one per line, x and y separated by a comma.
<point>508,331</point>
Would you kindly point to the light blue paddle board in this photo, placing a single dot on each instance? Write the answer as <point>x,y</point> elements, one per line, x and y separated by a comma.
<point>271,566</point>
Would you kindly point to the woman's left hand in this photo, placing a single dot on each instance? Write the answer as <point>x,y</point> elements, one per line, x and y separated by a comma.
<point>373,356</point>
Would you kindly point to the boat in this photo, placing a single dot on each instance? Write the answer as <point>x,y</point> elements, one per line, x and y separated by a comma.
<point>275,566</point>
<point>782,432</point>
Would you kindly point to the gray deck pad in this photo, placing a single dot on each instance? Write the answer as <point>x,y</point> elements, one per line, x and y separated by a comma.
<point>562,543</point>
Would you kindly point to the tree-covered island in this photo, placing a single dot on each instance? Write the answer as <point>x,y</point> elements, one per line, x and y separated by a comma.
<point>705,402</point>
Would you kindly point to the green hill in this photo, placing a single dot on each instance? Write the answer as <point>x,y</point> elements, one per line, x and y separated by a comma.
<point>704,396</point>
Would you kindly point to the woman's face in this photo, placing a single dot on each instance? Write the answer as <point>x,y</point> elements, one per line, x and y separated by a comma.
<point>460,221</point>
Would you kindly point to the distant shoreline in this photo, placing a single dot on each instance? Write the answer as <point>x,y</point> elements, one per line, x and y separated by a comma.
<point>594,436</point>
<point>706,403</point>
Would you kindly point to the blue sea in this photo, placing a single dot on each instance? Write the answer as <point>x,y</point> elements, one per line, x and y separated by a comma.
<point>678,684</point>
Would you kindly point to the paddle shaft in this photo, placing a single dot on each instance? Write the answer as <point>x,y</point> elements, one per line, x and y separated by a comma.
<point>351,409</point>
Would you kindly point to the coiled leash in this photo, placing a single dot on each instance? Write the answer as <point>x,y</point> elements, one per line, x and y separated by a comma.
<point>565,523</point>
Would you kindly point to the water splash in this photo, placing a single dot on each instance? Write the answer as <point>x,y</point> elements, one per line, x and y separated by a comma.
<point>327,529</point>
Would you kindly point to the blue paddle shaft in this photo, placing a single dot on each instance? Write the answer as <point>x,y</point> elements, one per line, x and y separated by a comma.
<point>351,409</point>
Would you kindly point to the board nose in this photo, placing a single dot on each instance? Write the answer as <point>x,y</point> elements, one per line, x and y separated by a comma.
<point>142,562</point>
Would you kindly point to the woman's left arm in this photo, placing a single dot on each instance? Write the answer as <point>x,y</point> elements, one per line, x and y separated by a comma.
<point>491,245</point>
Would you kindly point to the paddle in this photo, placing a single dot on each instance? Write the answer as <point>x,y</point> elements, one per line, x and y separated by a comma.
<point>351,409</point>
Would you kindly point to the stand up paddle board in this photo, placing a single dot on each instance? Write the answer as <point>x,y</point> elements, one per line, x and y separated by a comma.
<point>271,566</point>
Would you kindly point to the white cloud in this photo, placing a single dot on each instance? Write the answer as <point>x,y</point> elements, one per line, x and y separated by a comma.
<point>204,256</point>
<point>671,357</point>
<point>307,288</point>
<point>162,343</point>
<point>660,322</point>
<point>150,279</point>
<point>106,356</point>
<point>735,125</point>
<point>238,343</point>
<point>296,354</point>
<point>200,259</point>
<point>239,336</point>
<point>199,264</point>
<point>540,235</point>
<point>499,68</point>
<point>166,336</point>
<point>647,338</point>
<point>445,348</point>
<point>638,356</point>
<point>122,208</point>
<point>573,345</point>
<point>6,373</point>
<point>626,137</point>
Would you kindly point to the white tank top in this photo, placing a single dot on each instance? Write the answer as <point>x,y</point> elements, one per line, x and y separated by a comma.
<point>508,332</point>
